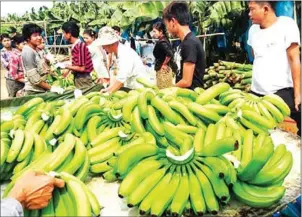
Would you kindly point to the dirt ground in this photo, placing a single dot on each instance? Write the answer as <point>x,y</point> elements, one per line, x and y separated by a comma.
<point>4,94</point>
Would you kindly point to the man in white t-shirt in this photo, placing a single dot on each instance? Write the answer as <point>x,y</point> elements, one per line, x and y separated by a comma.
<point>276,68</point>
<point>129,65</point>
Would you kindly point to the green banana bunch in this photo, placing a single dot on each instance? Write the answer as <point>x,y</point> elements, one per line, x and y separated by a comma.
<point>259,197</point>
<point>23,148</point>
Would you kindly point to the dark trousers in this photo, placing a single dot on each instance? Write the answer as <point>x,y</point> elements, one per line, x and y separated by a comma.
<point>287,94</point>
<point>13,87</point>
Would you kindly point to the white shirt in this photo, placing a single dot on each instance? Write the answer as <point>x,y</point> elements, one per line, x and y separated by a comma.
<point>98,56</point>
<point>271,69</point>
<point>129,67</point>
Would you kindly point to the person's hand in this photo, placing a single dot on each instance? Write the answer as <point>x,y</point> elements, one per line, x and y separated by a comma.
<point>103,80</point>
<point>34,189</point>
<point>65,74</point>
<point>105,90</point>
<point>164,67</point>
<point>297,102</point>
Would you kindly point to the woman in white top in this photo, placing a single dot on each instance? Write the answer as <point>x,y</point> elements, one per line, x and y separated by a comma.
<point>98,55</point>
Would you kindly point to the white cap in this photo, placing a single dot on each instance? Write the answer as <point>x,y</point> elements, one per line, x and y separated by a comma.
<point>106,36</point>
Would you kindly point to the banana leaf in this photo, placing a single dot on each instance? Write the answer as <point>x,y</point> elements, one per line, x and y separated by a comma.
<point>49,96</point>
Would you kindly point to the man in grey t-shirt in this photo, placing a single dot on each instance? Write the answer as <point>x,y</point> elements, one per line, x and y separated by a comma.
<point>35,76</point>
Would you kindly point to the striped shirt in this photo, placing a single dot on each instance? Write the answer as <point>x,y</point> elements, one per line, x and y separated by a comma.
<point>81,57</point>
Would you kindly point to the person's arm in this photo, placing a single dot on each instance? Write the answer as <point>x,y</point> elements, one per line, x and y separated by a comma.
<point>166,48</point>
<point>292,43</point>
<point>44,85</point>
<point>76,68</point>
<point>188,72</point>
<point>11,207</point>
<point>165,63</point>
<point>293,54</point>
<point>4,63</point>
<point>114,87</point>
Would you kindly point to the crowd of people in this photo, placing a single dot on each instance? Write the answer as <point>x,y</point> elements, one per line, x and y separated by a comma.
<point>113,58</point>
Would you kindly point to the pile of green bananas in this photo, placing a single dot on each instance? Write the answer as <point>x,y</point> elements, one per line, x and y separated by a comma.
<point>69,156</point>
<point>239,76</point>
<point>60,81</point>
<point>74,199</point>
<point>190,135</point>
<point>257,113</point>
<point>19,149</point>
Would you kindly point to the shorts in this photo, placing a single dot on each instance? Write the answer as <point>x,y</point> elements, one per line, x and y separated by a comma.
<point>13,87</point>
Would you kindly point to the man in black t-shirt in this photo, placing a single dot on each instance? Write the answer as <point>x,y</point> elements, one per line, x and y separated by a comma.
<point>177,18</point>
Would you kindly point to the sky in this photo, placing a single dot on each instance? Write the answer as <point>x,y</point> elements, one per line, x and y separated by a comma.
<point>20,7</point>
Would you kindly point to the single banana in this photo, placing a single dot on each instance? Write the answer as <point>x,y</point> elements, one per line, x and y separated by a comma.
<point>137,124</point>
<point>196,195</point>
<point>146,204</point>
<point>78,158</point>
<point>133,155</point>
<point>136,175</point>
<point>162,201</point>
<point>61,152</point>
<point>128,107</point>
<point>220,147</point>
<point>208,192</point>
<point>144,188</point>
<point>247,149</point>
<point>204,112</point>
<point>16,146</point>
<point>27,146</point>
<point>199,140</point>
<point>184,111</point>
<point>143,100</point>
<point>182,195</point>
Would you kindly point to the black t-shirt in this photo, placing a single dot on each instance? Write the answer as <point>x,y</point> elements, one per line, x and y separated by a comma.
<point>191,50</point>
<point>162,50</point>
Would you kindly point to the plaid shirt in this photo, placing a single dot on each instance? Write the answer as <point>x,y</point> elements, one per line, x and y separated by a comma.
<point>15,66</point>
<point>5,57</point>
<point>11,61</point>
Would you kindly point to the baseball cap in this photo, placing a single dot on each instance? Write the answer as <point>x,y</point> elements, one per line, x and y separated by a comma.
<point>106,36</point>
